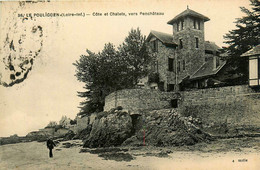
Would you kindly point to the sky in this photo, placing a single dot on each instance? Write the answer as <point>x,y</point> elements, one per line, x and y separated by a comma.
<point>50,89</point>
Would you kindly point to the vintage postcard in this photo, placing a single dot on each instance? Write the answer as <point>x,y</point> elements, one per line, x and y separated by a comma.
<point>128,84</point>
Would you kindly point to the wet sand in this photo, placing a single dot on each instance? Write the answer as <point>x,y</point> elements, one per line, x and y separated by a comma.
<point>217,155</point>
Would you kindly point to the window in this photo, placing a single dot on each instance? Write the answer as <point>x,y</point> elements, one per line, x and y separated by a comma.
<point>179,66</point>
<point>178,27</point>
<point>170,87</point>
<point>196,24</point>
<point>180,43</point>
<point>155,46</point>
<point>174,103</point>
<point>217,62</point>
<point>183,64</point>
<point>154,66</point>
<point>157,67</point>
<point>161,86</point>
<point>254,73</point>
<point>170,64</point>
<point>258,67</point>
<point>182,24</point>
<point>197,42</point>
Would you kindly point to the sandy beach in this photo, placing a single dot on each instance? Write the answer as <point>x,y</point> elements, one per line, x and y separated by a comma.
<point>34,155</point>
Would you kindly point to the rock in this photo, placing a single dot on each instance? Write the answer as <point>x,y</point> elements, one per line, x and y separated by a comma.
<point>132,141</point>
<point>39,136</point>
<point>84,133</point>
<point>69,135</point>
<point>110,130</point>
<point>170,130</point>
<point>157,128</point>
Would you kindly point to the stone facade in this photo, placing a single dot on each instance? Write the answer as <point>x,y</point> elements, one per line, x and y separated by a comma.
<point>165,76</point>
<point>183,53</point>
<point>193,57</point>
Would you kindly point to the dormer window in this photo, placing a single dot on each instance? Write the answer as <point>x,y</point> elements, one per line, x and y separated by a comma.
<point>217,62</point>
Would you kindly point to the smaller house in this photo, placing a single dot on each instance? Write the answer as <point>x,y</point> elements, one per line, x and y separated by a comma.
<point>254,65</point>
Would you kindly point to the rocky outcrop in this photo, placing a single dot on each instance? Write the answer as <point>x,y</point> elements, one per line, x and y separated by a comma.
<point>166,128</point>
<point>109,129</point>
<point>158,128</point>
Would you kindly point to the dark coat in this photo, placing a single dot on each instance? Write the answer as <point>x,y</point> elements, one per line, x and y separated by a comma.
<point>50,144</point>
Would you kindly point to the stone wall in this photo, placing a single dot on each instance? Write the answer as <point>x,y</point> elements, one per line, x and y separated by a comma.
<point>139,99</point>
<point>234,106</point>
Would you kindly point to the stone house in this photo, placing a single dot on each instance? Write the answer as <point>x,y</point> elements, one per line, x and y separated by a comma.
<point>184,59</point>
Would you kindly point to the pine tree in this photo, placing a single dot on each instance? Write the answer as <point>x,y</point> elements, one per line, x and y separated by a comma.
<point>244,37</point>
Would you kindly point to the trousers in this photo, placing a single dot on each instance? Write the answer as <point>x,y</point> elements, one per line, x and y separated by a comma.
<point>50,153</point>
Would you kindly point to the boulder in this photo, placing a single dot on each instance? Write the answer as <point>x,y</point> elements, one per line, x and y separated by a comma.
<point>84,134</point>
<point>109,129</point>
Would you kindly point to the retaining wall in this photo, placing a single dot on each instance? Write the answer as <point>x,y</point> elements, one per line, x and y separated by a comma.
<point>234,105</point>
<point>139,99</point>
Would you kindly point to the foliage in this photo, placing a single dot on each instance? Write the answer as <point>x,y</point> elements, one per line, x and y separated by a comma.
<point>111,70</point>
<point>244,37</point>
<point>52,124</point>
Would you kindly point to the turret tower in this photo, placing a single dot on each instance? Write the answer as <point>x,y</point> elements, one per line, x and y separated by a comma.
<point>188,33</point>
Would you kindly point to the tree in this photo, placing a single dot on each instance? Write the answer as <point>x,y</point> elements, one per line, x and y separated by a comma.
<point>98,72</point>
<point>135,54</point>
<point>111,70</point>
<point>244,37</point>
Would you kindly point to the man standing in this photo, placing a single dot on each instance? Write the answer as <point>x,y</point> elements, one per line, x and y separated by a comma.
<point>50,146</point>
